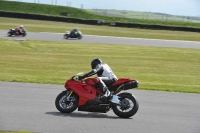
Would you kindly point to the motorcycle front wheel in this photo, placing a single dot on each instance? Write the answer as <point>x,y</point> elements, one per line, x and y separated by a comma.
<point>9,34</point>
<point>80,37</point>
<point>128,106</point>
<point>65,105</point>
<point>24,34</point>
<point>66,36</point>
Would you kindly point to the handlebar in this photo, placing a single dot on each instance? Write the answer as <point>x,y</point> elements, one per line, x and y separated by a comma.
<point>76,77</point>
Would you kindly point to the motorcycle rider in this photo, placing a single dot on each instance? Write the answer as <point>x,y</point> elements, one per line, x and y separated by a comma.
<point>19,29</point>
<point>105,76</point>
<point>73,32</point>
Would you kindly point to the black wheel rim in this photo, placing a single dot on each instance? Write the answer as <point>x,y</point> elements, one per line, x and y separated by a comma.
<point>66,104</point>
<point>126,105</point>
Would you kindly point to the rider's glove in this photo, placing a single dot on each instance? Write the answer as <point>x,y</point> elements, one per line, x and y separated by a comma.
<point>80,77</point>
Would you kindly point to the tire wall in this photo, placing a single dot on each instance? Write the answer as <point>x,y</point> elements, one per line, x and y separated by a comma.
<point>95,22</point>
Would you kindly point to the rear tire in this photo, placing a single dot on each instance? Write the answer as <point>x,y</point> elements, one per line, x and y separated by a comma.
<point>65,106</point>
<point>126,98</point>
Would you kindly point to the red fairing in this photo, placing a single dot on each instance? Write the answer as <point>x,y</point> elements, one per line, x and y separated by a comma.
<point>84,91</point>
<point>122,80</point>
<point>92,81</point>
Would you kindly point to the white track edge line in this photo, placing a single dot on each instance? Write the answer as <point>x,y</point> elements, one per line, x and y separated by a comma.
<point>129,37</point>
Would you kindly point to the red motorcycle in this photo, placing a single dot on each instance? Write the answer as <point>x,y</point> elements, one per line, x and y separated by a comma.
<point>12,32</point>
<point>86,96</point>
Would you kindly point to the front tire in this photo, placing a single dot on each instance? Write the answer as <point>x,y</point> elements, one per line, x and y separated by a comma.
<point>66,36</point>
<point>9,34</point>
<point>64,105</point>
<point>80,37</point>
<point>24,34</point>
<point>129,106</point>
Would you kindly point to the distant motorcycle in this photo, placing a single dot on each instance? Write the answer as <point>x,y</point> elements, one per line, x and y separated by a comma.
<point>77,35</point>
<point>12,32</point>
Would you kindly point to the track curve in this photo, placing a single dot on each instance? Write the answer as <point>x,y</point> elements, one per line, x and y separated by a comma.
<point>105,40</point>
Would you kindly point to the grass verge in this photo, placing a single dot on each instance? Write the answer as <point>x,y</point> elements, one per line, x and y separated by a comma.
<point>49,26</point>
<point>166,69</point>
<point>15,132</point>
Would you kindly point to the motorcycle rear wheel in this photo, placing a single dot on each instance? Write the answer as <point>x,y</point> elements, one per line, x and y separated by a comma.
<point>64,105</point>
<point>129,106</point>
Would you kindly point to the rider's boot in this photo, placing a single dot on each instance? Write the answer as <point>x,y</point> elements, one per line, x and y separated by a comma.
<point>115,99</point>
<point>108,97</point>
<point>107,94</point>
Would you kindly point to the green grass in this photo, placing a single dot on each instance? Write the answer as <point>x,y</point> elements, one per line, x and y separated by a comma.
<point>166,69</point>
<point>48,26</point>
<point>78,13</point>
<point>15,132</point>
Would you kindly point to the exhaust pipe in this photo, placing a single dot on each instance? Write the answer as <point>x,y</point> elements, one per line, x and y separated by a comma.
<point>130,85</point>
<point>126,86</point>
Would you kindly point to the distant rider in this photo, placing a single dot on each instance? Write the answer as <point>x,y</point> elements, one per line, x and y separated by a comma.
<point>104,74</point>
<point>73,32</point>
<point>19,29</point>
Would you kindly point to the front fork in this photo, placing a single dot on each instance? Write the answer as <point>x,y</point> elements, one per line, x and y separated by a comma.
<point>69,93</point>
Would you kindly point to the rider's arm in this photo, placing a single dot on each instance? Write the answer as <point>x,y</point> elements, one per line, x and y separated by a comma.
<point>93,71</point>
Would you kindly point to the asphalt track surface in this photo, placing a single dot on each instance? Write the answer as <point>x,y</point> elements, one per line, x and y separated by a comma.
<point>26,106</point>
<point>105,40</point>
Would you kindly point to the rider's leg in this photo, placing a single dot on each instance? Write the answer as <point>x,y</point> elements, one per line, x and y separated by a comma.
<point>103,87</point>
<point>102,84</point>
